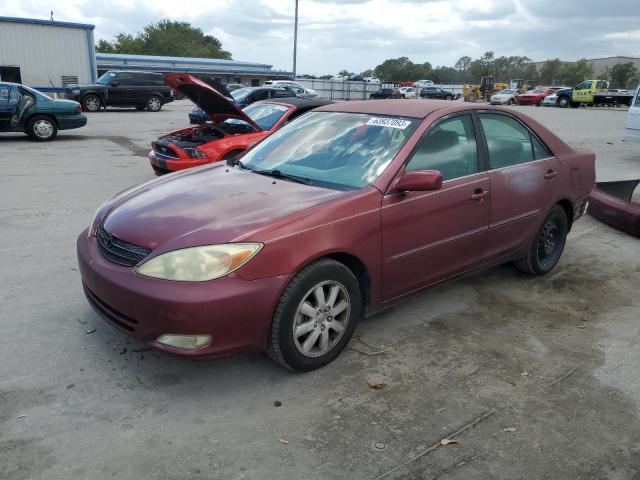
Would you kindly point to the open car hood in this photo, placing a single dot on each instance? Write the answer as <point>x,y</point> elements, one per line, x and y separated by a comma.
<point>213,103</point>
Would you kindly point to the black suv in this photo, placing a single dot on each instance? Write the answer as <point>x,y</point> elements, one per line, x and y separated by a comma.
<point>437,92</point>
<point>122,89</point>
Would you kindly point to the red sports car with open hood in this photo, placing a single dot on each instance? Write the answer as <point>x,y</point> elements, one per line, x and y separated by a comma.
<point>231,130</point>
<point>338,214</point>
<point>534,97</point>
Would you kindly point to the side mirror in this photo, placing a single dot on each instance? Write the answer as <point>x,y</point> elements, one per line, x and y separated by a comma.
<point>419,181</point>
<point>114,84</point>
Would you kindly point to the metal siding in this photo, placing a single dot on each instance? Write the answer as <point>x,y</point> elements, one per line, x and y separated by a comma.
<point>44,53</point>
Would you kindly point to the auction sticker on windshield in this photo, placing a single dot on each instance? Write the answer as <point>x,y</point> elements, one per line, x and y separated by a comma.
<point>389,122</point>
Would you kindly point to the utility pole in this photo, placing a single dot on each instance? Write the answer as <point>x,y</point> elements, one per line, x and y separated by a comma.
<point>295,41</point>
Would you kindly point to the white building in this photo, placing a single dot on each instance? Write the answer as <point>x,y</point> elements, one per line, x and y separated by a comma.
<point>46,55</point>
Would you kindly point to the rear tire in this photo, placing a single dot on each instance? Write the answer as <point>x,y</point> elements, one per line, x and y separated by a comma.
<point>309,330</point>
<point>471,97</point>
<point>154,103</point>
<point>548,244</point>
<point>510,102</point>
<point>448,97</point>
<point>42,128</point>
<point>563,102</point>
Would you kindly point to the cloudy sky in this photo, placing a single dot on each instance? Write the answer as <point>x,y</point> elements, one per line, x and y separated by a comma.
<point>359,34</point>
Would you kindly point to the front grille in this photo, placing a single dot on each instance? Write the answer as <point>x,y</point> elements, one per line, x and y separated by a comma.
<point>164,151</point>
<point>118,251</point>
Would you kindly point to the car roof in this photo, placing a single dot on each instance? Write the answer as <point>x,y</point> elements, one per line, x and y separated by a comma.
<point>402,108</point>
<point>300,102</point>
<point>10,84</point>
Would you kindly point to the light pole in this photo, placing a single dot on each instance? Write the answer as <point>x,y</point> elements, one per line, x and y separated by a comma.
<point>295,41</point>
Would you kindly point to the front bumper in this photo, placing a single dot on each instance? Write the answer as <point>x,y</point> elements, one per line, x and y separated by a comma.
<point>162,164</point>
<point>237,313</point>
<point>74,121</point>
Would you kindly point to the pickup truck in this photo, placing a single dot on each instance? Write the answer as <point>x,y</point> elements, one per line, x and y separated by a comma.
<point>592,92</point>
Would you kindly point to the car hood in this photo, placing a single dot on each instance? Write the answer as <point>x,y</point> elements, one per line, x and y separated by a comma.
<point>208,205</point>
<point>215,105</point>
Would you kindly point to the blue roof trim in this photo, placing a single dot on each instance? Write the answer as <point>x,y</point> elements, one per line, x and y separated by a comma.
<point>177,60</point>
<point>160,68</point>
<point>49,23</point>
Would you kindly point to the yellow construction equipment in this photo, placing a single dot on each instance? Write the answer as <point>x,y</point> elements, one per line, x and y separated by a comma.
<point>487,87</point>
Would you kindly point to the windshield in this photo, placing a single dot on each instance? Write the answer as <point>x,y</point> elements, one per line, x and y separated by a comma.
<point>105,78</point>
<point>240,94</point>
<point>265,115</point>
<point>535,91</point>
<point>505,92</point>
<point>336,150</point>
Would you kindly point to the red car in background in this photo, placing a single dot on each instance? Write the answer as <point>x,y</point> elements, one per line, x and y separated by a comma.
<point>534,97</point>
<point>339,214</point>
<point>231,130</point>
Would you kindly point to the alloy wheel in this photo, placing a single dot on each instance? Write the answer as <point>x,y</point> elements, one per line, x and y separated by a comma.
<point>92,104</point>
<point>154,104</point>
<point>321,318</point>
<point>43,129</point>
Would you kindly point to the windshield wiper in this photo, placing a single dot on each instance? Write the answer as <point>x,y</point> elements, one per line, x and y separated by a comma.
<point>232,162</point>
<point>284,176</point>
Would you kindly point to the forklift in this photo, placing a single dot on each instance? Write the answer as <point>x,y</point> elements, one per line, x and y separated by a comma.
<point>487,87</point>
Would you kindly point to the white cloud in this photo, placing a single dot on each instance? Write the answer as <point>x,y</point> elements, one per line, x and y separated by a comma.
<point>359,34</point>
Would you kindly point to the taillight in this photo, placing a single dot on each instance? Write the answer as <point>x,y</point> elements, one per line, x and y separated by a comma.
<point>79,109</point>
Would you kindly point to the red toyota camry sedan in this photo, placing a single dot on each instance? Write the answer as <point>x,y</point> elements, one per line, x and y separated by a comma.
<point>337,215</point>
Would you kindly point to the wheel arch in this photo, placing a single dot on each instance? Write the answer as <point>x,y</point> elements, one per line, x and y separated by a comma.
<point>356,266</point>
<point>567,206</point>
<point>41,114</point>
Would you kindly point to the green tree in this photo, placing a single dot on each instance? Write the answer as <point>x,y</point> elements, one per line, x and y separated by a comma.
<point>481,67</point>
<point>463,64</point>
<point>576,72</point>
<point>402,70</point>
<point>345,73</point>
<point>367,73</point>
<point>167,37</point>
<point>551,72</point>
<point>623,74</point>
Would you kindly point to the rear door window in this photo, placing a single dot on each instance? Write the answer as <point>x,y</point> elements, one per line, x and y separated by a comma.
<point>508,142</point>
<point>450,148</point>
<point>4,94</point>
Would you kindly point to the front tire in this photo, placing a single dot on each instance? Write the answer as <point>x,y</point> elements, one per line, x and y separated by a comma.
<point>510,102</point>
<point>91,103</point>
<point>448,97</point>
<point>563,102</point>
<point>548,244</point>
<point>154,103</point>
<point>42,129</point>
<point>315,317</point>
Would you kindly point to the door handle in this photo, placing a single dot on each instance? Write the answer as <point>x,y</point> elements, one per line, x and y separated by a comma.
<point>550,174</point>
<point>479,194</point>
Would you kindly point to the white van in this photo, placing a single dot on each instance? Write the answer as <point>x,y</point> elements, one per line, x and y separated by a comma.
<point>632,124</point>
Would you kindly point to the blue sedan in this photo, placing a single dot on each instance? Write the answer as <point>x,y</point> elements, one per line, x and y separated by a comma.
<point>23,109</point>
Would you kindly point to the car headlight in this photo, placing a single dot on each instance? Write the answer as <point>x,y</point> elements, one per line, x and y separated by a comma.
<point>199,264</point>
<point>195,153</point>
